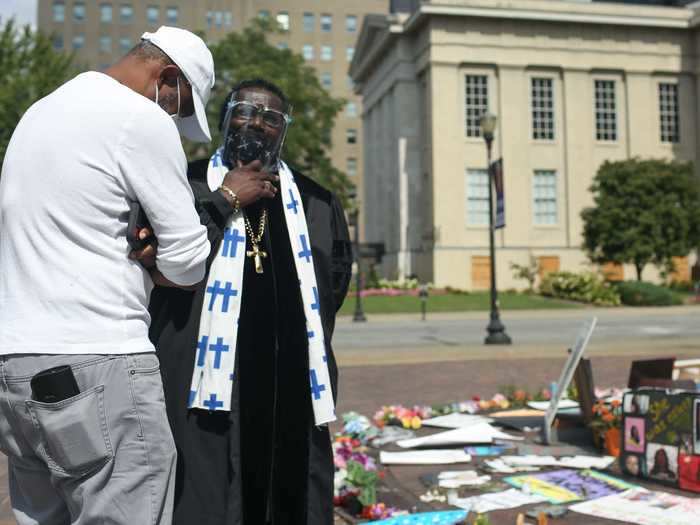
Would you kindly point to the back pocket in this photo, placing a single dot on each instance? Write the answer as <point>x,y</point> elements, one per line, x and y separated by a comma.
<point>73,432</point>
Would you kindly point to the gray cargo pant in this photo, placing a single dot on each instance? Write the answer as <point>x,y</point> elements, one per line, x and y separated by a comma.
<point>105,456</point>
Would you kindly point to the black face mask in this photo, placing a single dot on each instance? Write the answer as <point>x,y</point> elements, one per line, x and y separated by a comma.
<point>247,145</point>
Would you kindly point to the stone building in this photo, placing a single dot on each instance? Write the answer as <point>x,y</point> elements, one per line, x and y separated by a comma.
<point>573,84</point>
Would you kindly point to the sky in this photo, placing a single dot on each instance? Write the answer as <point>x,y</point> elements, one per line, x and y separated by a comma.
<point>24,11</point>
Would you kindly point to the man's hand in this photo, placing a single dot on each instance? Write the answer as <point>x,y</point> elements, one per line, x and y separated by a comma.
<point>146,256</point>
<point>249,183</point>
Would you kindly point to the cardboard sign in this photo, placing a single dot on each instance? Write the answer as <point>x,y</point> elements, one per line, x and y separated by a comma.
<point>661,438</point>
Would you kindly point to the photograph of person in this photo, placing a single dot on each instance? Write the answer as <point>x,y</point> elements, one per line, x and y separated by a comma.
<point>662,462</point>
<point>633,465</point>
<point>634,434</point>
<point>636,404</point>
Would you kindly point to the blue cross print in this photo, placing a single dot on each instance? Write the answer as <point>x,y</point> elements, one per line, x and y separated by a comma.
<point>230,242</point>
<point>292,205</point>
<point>218,348</point>
<point>203,345</point>
<point>212,403</point>
<point>226,292</point>
<point>305,252</point>
<point>316,388</point>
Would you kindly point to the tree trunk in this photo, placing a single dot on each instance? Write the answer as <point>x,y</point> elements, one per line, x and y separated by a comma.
<point>639,267</point>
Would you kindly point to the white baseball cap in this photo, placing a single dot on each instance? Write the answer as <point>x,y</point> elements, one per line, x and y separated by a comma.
<point>192,56</point>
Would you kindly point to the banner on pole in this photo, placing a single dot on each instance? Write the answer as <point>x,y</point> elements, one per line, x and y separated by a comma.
<point>497,174</point>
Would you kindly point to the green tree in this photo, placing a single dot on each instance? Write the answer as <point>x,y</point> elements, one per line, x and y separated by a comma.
<point>29,70</point>
<point>645,211</point>
<point>248,54</point>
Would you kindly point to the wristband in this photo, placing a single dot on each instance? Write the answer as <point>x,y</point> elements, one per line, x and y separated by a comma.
<point>236,202</point>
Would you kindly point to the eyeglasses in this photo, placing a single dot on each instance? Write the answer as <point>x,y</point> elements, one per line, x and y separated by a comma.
<point>247,111</point>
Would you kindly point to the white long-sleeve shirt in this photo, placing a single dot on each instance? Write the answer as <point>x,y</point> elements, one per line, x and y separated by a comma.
<point>75,161</point>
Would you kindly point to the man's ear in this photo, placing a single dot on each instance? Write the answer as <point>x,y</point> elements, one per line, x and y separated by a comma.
<point>169,75</point>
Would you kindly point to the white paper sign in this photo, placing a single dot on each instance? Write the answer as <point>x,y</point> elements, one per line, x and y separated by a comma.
<point>455,420</point>
<point>424,457</point>
<point>477,433</point>
<point>566,375</point>
<point>644,508</point>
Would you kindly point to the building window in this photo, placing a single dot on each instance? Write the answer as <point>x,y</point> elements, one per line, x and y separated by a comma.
<point>309,22</point>
<point>351,109</point>
<point>668,112</point>
<point>59,12</point>
<point>326,23</point>
<point>126,13</point>
<point>351,23</point>
<point>282,46</point>
<point>477,102</point>
<point>152,14</point>
<point>350,83</point>
<point>477,197</point>
<point>106,13</point>
<point>283,20</point>
<point>124,44</point>
<point>78,41</point>
<point>326,80</point>
<point>171,15</point>
<point>351,136</point>
<point>58,42</point>
<point>79,12</point>
<point>542,108</point>
<point>308,52</point>
<point>228,19</point>
<point>351,166</point>
<point>349,53</point>
<point>105,44</point>
<point>218,19</point>
<point>326,53</point>
<point>605,110</point>
<point>264,14</point>
<point>544,198</point>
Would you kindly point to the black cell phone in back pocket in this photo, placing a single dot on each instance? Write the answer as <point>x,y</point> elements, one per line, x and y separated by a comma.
<point>54,385</point>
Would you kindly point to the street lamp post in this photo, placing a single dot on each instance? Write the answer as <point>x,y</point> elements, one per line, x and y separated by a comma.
<point>359,315</point>
<point>497,332</point>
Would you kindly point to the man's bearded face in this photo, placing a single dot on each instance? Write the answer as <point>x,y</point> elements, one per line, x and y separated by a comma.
<point>253,138</point>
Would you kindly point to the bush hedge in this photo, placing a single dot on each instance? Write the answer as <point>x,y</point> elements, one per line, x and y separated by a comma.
<point>586,287</point>
<point>640,293</point>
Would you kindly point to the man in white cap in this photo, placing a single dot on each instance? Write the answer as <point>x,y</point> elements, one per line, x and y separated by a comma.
<point>82,415</point>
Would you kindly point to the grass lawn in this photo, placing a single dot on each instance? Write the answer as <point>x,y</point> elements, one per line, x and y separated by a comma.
<point>453,303</point>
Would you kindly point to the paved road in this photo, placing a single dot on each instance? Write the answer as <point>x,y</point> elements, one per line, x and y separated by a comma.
<point>459,336</point>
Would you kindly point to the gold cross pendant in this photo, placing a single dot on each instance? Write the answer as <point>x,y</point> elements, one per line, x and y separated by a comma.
<point>259,255</point>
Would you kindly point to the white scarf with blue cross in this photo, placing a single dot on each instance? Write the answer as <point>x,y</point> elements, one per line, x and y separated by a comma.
<point>212,380</point>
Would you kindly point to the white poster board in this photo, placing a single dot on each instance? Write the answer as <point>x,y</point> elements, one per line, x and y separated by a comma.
<point>567,374</point>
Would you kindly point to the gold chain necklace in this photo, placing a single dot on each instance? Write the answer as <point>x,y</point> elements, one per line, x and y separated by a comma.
<point>256,252</point>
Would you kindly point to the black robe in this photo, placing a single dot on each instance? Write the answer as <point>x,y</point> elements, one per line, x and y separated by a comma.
<point>265,461</point>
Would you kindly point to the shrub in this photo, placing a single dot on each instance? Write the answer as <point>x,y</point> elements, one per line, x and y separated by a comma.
<point>640,293</point>
<point>682,286</point>
<point>586,287</point>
